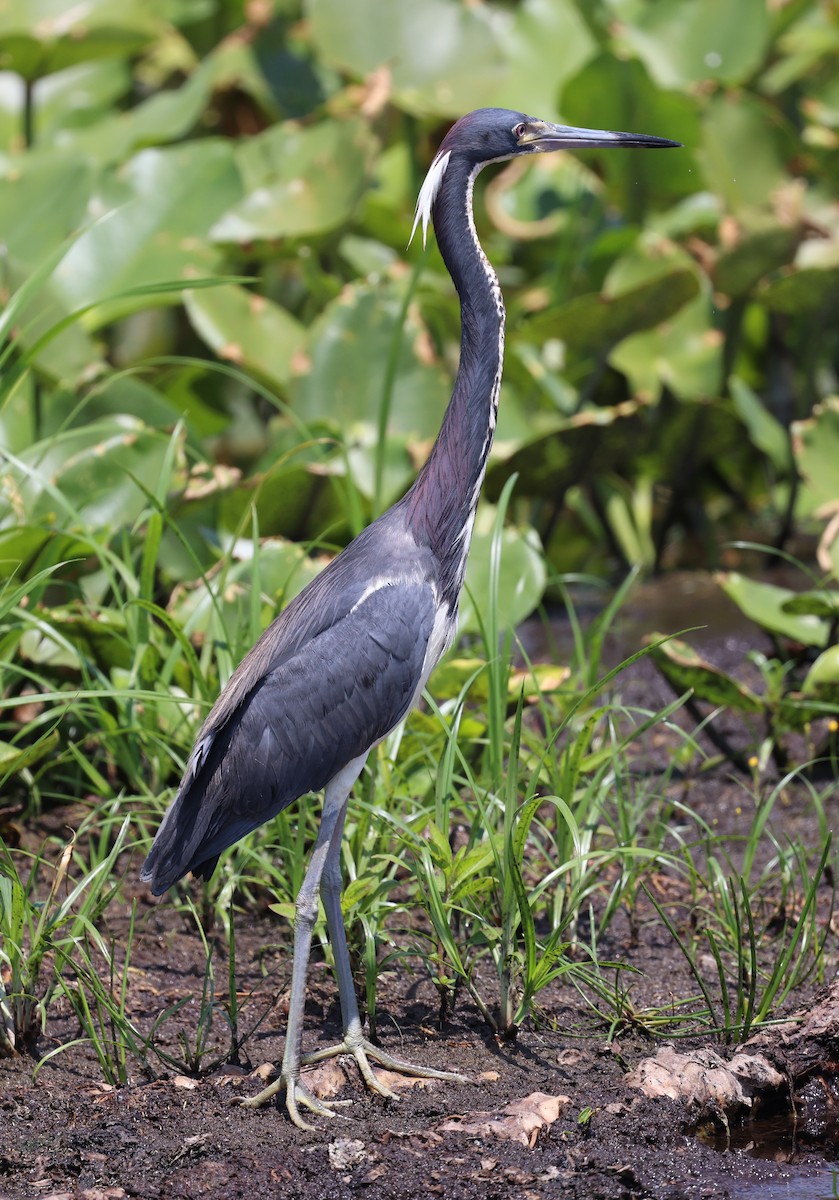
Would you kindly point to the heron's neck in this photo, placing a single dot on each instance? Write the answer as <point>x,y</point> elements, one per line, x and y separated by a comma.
<point>442,503</point>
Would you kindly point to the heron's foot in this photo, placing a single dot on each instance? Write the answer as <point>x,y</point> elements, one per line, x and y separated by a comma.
<point>365,1053</point>
<point>297,1096</point>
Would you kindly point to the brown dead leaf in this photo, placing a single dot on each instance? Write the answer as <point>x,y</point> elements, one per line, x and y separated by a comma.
<point>344,1153</point>
<point>184,1081</point>
<point>398,1082</point>
<point>326,1079</point>
<point>704,1080</point>
<point>519,1121</point>
<point>263,1072</point>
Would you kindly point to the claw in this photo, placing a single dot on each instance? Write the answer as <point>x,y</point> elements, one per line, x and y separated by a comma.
<point>363,1051</point>
<point>297,1095</point>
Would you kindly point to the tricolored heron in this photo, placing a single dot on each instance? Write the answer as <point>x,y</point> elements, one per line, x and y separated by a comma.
<point>350,655</point>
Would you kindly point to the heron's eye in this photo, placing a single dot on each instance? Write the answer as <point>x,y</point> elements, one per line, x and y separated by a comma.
<point>520,130</point>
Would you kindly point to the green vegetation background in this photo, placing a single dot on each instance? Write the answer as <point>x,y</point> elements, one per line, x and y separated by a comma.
<point>214,332</point>
<point>219,359</point>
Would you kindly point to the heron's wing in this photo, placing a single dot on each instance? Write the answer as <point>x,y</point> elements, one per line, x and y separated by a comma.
<point>331,596</point>
<point>310,715</point>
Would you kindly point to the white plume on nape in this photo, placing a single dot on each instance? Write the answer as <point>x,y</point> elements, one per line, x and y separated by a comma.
<point>429,189</point>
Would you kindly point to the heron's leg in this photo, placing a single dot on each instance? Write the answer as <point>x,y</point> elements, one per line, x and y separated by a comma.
<point>354,1041</point>
<point>306,911</point>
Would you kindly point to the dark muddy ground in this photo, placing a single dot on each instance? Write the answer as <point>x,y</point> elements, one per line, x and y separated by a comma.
<point>67,1135</point>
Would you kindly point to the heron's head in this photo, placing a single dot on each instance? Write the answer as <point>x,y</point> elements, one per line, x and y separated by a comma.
<point>490,135</point>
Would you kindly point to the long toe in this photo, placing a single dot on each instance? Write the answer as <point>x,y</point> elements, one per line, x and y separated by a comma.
<point>364,1052</point>
<point>297,1096</point>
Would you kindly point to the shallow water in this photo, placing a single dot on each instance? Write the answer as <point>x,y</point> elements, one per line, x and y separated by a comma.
<point>823,1186</point>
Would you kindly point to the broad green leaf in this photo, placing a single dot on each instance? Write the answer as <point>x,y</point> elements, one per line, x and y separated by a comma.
<point>164,117</point>
<point>43,200</point>
<point>596,323</point>
<point>349,346</point>
<point>296,499</point>
<point>565,451</point>
<point>85,474</point>
<point>297,181</point>
<point>683,42</point>
<point>616,94</point>
<point>806,290</point>
<point>684,353</point>
<point>38,37</point>
<point>19,758</point>
<point>765,430</point>
<point>76,99</point>
<point>818,603</point>
<point>799,50</point>
<point>744,151</point>
<point>823,677</point>
<point>443,56</point>
<point>170,114</point>
<point>160,213</point>
<point>755,255</point>
<point>247,329</point>
<point>213,610</point>
<point>545,43</point>
<point>522,579</point>
<point>764,604</point>
<point>24,549</point>
<point>101,638</point>
<point>686,670</point>
<point>816,449</point>
<point>67,352</point>
<point>541,679</point>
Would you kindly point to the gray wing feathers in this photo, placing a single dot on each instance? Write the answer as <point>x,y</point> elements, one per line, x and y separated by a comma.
<point>309,714</point>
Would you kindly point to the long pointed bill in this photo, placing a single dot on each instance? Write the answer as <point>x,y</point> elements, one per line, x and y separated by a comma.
<point>543,137</point>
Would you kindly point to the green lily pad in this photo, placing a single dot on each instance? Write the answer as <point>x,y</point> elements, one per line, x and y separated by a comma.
<point>522,577</point>
<point>562,452</point>
<point>684,42</point>
<point>19,758</point>
<point>281,568</point>
<point>349,347</point>
<point>757,254</point>
<point>297,499</point>
<point>85,475</point>
<point>38,37</point>
<point>247,329</point>
<point>816,448</point>
<point>623,96</point>
<point>803,290</point>
<point>297,182</point>
<point>545,43</point>
<point>158,218</point>
<point>765,604</point>
<point>596,323</point>
<point>765,430</point>
<point>823,677</point>
<point>685,670</point>
<point>821,603</point>
<point>101,637</point>
<point>43,200</point>
<point>744,151</point>
<point>443,56</point>
<point>684,355</point>
<point>684,352</point>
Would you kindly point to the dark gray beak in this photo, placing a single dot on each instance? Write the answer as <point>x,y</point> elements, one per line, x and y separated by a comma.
<point>543,137</point>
